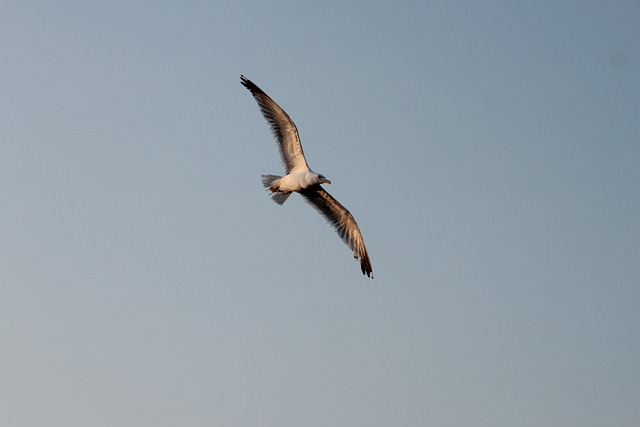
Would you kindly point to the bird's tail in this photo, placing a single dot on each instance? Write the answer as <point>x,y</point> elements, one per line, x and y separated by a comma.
<point>272,182</point>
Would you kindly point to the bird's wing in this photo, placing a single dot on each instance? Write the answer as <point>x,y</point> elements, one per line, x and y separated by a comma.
<point>342,221</point>
<point>282,128</point>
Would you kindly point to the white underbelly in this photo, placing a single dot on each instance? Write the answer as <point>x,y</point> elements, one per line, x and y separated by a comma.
<point>296,181</point>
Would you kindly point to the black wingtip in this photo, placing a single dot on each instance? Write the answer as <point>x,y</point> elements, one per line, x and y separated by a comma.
<point>365,265</point>
<point>253,88</point>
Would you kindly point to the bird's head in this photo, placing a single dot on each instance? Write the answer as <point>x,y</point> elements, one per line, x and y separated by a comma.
<point>323,180</point>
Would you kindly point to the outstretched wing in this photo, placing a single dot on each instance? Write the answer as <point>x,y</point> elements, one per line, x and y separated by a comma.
<point>282,127</point>
<point>342,221</point>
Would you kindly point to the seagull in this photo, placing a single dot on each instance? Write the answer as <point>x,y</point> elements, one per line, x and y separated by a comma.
<point>301,179</point>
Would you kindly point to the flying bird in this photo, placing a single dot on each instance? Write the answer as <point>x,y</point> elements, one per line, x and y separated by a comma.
<point>301,179</point>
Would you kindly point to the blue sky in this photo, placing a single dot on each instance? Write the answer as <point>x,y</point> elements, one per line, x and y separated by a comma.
<point>490,152</point>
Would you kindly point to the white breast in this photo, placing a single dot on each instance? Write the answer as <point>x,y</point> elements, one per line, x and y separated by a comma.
<point>297,181</point>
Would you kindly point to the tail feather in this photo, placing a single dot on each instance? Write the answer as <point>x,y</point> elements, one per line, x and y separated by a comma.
<point>280,198</point>
<point>271,182</point>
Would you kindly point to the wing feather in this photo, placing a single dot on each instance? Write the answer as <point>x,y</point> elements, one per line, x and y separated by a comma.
<point>282,127</point>
<point>342,221</point>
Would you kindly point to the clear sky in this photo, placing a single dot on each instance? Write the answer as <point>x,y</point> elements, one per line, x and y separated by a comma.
<point>490,152</point>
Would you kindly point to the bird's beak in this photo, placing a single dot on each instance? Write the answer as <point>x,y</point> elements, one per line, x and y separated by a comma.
<point>326,181</point>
